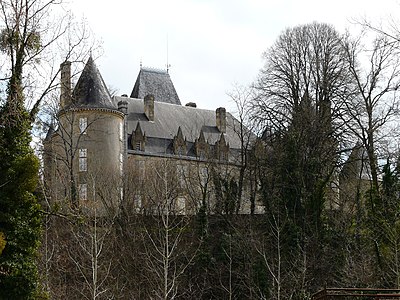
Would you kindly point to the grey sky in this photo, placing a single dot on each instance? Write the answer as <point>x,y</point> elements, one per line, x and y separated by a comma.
<point>211,44</point>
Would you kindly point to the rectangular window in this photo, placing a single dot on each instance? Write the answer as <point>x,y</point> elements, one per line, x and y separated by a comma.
<point>140,167</point>
<point>138,203</point>
<point>201,154</point>
<point>82,160</point>
<point>204,176</point>
<point>180,151</point>
<point>121,163</point>
<point>180,205</point>
<point>83,191</point>
<point>82,125</point>
<point>182,173</point>
<point>224,156</point>
<point>121,132</point>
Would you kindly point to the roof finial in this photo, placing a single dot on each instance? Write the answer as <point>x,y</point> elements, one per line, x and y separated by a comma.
<point>141,64</point>
<point>168,65</point>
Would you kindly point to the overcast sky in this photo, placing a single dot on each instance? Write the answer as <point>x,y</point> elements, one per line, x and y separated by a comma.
<point>211,44</point>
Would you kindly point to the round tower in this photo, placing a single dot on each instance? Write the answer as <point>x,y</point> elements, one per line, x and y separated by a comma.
<point>91,137</point>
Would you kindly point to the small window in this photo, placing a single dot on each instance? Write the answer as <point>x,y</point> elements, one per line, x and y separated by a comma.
<point>121,193</point>
<point>180,151</point>
<point>180,205</point>
<point>141,168</point>
<point>83,191</point>
<point>224,156</point>
<point>121,163</point>
<point>138,146</point>
<point>82,125</point>
<point>137,203</point>
<point>204,176</point>
<point>121,132</point>
<point>82,160</point>
<point>202,154</point>
<point>182,174</point>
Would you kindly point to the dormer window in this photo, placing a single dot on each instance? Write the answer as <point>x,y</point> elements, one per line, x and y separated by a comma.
<point>201,146</point>
<point>138,139</point>
<point>201,154</point>
<point>224,155</point>
<point>179,143</point>
<point>180,151</point>
<point>222,148</point>
<point>82,125</point>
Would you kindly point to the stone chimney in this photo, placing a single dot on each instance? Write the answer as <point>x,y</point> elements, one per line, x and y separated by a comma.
<point>123,106</point>
<point>191,104</point>
<point>65,69</point>
<point>149,107</point>
<point>221,119</point>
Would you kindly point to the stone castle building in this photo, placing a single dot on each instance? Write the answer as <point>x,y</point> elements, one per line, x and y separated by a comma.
<point>123,149</point>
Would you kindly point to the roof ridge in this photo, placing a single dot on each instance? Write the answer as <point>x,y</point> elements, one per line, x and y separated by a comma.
<point>155,70</point>
<point>167,103</point>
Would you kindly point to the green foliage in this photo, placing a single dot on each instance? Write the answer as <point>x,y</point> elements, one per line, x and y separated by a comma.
<point>202,221</point>
<point>382,227</point>
<point>226,193</point>
<point>20,218</point>
<point>302,81</point>
<point>10,38</point>
<point>3,242</point>
<point>261,276</point>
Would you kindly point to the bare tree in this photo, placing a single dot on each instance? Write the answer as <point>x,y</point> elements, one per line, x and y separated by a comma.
<point>61,153</point>
<point>28,37</point>
<point>375,105</point>
<point>34,40</point>
<point>93,234</point>
<point>305,60</point>
<point>244,129</point>
<point>163,232</point>
<point>80,244</point>
<point>301,93</point>
<point>274,263</point>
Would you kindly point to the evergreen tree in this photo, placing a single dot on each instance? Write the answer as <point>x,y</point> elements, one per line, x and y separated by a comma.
<point>300,90</point>
<point>383,228</point>
<point>20,220</point>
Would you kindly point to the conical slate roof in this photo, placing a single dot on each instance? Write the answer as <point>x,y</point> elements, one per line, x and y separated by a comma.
<point>157,83</point>
<point>50,132</point>
<point>91,90</point>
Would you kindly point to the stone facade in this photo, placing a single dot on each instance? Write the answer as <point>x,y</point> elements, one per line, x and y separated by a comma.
<point>114,148</point>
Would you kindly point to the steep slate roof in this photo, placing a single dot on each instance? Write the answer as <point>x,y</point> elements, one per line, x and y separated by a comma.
<point>91,90</point>
<point>357,165</point>
<point>157,83</point>
<point>167,120</point>
<point>50,132</point>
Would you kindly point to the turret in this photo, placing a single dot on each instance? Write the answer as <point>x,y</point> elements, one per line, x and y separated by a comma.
<point>98,134</point>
